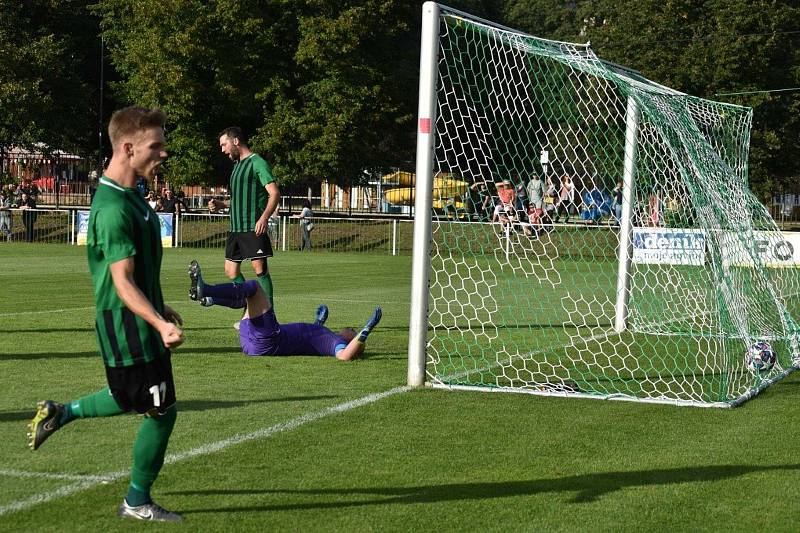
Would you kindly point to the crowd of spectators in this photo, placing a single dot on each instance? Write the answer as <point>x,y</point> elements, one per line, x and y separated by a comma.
<point>532,204</point>
<point>14,192</point>
<point>22,196</point>
<point>167,202</point>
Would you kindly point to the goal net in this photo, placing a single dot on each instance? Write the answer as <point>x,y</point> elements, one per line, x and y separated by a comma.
<point>596,236</point>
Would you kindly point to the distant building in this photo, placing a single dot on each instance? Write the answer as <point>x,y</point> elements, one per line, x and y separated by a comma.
<point>40,166</point>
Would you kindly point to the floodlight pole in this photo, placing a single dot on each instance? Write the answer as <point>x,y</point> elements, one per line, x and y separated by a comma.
<point>625,225</point>
<point>426,129</point>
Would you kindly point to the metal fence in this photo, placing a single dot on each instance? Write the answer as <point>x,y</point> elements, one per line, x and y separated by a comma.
<point>195,230</point>
<point>330,234</point>
<point>204,230</point>
<point>786,216</point>
<point>37,225</point>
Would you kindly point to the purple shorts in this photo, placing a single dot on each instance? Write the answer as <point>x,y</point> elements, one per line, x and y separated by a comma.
<point>263,335</point>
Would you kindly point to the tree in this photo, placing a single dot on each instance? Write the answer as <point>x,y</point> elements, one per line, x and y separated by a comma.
<point>203,63</point>
<point>311,78</point>
<point>350,104</point>
<point>48,58</point>
<point>711,47</point>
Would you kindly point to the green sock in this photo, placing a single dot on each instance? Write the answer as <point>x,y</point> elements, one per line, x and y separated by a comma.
<point>265,281</point>
<point>239,278</point>
<point>137,496</point>
<point>149,449</point>
<point>98,404</point>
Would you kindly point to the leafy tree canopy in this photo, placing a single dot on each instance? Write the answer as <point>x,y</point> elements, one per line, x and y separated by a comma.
<point>47,92</point>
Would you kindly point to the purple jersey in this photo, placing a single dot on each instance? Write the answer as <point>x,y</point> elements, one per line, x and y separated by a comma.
<point>264,336</point>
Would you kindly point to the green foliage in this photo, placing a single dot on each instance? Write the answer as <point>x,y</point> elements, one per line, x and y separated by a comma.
<point>711,47</point>
<point>310,80</point>
<point>47,94</point>
<point>203,63</point>
<point>349,106</point>
<point>328,88</point>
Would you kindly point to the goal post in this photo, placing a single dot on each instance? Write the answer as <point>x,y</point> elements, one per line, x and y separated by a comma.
<point>583,231</point>
<point>625,245</point>
<point>426,123</point>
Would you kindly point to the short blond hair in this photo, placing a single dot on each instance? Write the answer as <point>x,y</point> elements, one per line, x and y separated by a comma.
<point>132,120</point>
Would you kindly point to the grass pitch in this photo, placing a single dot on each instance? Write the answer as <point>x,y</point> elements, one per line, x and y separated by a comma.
<point>272,444</point>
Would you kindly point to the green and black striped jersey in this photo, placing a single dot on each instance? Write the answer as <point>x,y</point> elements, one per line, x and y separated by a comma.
<point>122,225</point>
<point>248,195</point>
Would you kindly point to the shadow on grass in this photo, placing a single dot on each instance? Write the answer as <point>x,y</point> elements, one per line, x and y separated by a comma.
<point>588,488</point>
<point>17,416</point>
<point>49,355</point>
<point>233,350</point>
<point>36,331</point>
<point>185,405</point>
<point>207,405</point>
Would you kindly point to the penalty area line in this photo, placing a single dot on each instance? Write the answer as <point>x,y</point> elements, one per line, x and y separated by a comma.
<point>88,482</point>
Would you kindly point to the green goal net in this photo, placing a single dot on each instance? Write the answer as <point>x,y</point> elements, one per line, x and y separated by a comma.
<point>595,235</point>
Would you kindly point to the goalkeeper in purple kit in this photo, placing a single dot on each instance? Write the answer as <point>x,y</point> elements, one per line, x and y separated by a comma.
<point>261,334</point>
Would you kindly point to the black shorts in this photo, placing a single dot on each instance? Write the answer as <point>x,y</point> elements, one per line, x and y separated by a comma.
<point>247,245</point>
<point>143,388</point>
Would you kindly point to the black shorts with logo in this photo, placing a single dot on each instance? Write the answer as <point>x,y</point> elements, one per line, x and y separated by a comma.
<point>145,387</point>
<point>247,245</point>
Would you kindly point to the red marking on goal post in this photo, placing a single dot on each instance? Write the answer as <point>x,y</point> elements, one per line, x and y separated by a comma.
<point>424,125</point>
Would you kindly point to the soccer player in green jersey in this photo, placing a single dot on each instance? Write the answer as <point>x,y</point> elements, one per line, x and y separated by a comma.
<point>254,198</point>
<point>135,329</point>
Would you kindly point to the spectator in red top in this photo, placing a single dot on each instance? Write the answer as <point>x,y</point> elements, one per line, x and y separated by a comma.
<point>505,191</point>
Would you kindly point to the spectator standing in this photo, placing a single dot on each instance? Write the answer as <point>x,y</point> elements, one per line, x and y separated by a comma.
<point>481,200</point>
<point>171,204</point>
<point>536,192</point>
<point>505,192</point>
<point>151,200</point>
<point>564,195</point>
<point>617,203</point>
<point>180,196</point>
<point>550,199</point>
<point>28,205</point>
<point>521,196</point>
<point>92,185</point>
<point>26,186</point>
<point>6,223</point>
<point>306,225</point>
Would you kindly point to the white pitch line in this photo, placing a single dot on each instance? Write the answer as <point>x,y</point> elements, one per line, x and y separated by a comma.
<point>46,311</point>
<point>49,475</point>
<point>60,492</point>
<point>89,482</point>
<point>283,426</point>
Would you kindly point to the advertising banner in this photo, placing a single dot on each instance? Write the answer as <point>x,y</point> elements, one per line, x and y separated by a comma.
<point>83,226</point>
<point>167,229</point>
<point>165,220</point>
<point>776,249</point>
<point>667,246</point>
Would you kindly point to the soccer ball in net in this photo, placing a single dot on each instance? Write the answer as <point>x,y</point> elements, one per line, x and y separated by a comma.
<point>760,357</point>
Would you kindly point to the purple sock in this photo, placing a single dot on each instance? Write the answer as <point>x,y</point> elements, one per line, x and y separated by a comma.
<point>231,291</point>
<point>233,303</point>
